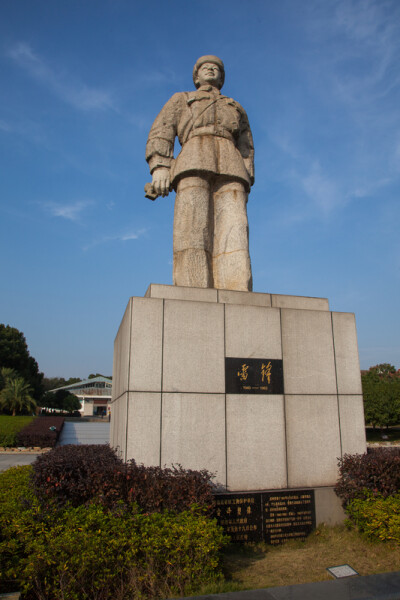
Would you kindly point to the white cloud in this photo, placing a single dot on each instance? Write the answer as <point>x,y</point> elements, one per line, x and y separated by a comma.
<point>360,19</point>
<point>352,69</point>
<point>302,171</point>
<point>285,142</point>
<point>71,212</point>
<point>79,95</point>
<point>363,42</point>
<point>156,77</point>
<point>129,236</point>
<point>121,237</point>
<point>321,189</point>
<point>370,188</point>
<point>21,126</point>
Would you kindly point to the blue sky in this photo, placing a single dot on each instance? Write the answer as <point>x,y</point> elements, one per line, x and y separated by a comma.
<point>81,83</point>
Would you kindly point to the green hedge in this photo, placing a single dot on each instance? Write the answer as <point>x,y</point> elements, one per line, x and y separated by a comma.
<point>9,427</point>
<point>94,553</point>
<point>377,517</point>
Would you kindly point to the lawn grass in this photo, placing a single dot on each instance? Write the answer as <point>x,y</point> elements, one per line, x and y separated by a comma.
<point>10,426</point>
<point>265,566</point>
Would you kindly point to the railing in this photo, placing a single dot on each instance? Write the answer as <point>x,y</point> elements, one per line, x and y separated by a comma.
<point>92,392</point>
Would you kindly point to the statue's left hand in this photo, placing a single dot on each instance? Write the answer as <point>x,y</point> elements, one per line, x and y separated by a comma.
<point>161,181</point>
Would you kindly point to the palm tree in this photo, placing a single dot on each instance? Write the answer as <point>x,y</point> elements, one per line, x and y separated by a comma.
<point>15,396</point>
<point>5,374</point>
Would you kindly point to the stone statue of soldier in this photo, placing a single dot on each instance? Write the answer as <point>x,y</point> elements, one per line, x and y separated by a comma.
<point>212,176</point>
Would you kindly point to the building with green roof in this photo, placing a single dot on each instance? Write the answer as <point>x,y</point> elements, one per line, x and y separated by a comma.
<point>94,395</point>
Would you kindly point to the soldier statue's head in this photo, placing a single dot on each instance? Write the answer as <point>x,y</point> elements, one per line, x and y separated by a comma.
<point>215,78</point>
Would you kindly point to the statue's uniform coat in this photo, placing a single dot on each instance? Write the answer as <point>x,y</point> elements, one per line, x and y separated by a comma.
<point>212,176</point>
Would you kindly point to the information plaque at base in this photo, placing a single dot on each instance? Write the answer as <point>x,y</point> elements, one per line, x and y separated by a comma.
<point>288,515</point>
<point>272,517</point>
<point>240,515</point>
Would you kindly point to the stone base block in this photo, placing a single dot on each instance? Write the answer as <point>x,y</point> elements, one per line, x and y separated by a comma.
<point>328,508</point>
<point>173,359</point>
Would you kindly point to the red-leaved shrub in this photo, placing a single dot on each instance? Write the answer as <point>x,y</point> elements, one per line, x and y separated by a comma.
<point>78,474</point>
<point>378,472</point>
<point>155,489</point>
<point>82,474</point>
<point>42,432</point>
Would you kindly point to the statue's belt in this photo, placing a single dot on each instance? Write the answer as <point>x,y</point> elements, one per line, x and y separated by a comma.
<point>214,130</point>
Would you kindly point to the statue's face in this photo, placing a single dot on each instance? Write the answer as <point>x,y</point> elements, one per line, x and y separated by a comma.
<point>209,73</point>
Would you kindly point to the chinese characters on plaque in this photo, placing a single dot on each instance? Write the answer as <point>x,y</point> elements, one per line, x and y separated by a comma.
<point>240,516</point>
<point>288,515</point>
<point>272,517</point>
<point>253,376</point>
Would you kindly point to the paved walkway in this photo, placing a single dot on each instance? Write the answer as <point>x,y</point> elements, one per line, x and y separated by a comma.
<point>72,433</point>
<point>385,586</point>
<point>84,433</point>
<point>16,459</point>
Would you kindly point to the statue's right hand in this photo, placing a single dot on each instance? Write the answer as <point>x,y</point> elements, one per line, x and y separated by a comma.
<point>161,181</point>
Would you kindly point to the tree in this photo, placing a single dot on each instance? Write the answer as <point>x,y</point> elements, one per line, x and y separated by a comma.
<point>15,396</point>
<point>62,400</point>
<point>14,354</point>
<point>51,383</point>
<point>381,391</point>
<point>71,403</point>
<point>384,371</point>
<point>5,374</point>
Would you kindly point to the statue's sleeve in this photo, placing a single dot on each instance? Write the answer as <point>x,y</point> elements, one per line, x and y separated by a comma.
<point>245,144</point>
<point>160,143</point>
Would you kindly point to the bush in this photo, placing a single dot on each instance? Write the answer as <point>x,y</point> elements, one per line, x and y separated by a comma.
<point>16,496</point>
<point>122,555</point>
<point>377,517</point>
<point>155,489</point>
<point>9,427</point>
<point>393,450</point>
<point>41,433</point>
<point>377,472</point>
<point>93,553</point>
<point>81,474</point>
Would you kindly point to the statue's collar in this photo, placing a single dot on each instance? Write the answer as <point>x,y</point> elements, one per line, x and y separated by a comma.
<point>204,92</point>
<point>208,88</point>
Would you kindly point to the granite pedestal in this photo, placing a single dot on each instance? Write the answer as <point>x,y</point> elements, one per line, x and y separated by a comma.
<point>170,402</point>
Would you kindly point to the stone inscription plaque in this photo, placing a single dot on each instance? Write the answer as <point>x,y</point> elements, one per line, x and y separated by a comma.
<point>273,517</point>
<point>240,515</point>
<point>253,376</point>
<point>288,515</point>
